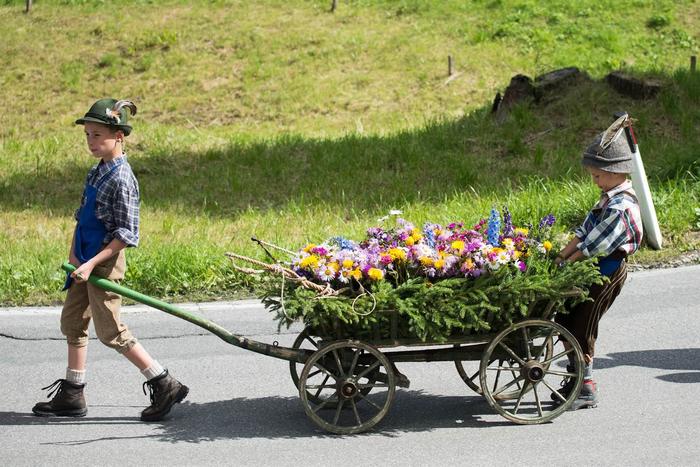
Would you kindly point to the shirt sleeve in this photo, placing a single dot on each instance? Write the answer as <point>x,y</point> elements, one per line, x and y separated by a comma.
<point>584,228</point>
<point>126,214</point>
<point>607,236</point>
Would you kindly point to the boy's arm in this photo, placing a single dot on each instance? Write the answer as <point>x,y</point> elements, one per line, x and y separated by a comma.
<point>570,252</point>
<point>85,269</point>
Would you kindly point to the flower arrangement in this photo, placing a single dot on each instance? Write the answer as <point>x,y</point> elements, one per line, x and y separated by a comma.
<point>438,280</point>
<point>434,251</point>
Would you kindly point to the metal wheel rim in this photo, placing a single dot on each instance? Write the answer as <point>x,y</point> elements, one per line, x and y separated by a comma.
<point>532,405</point>
<point>363,412</point>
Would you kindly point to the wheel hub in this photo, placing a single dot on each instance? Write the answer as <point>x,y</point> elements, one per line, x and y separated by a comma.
<point>532,371</point>
<point>348,389</point>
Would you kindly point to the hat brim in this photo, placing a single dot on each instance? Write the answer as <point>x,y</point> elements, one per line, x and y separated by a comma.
<point>622,167</point>
<point>125,128</point>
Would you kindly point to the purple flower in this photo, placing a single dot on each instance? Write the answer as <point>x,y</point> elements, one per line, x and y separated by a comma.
<point>547,221</point>
<point>507,223</point>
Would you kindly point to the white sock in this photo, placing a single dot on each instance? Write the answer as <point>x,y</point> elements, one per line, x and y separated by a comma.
<point>156,369</point>
<point>75,376</point>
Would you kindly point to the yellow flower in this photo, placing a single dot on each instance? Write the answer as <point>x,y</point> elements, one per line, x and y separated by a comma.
<point>309,247</point>
<point>335,266</point>
<point>458,245</point>
<point>347,263</point>
<point>498,250</point>
<point>375,274</point>
<point>397,254</point>
<point>416,235</point>
<point>310,261</point>
<point>520,230</point>
<point>439,264</point>
<point>508,243</point>
<point>517,254</point>
<point>426,261</point>
<point>410,241</point>
<point>547,245</point>
<point>357,274</point>
<point>469,264</point>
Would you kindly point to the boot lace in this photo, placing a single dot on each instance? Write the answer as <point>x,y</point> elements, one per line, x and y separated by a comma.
<point>153,390</point>
<point>55,387</point>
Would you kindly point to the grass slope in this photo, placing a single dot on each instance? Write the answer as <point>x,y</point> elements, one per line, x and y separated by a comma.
<point>281,120</point>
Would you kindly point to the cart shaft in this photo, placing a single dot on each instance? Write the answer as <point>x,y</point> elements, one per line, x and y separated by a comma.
<point>284,353</point>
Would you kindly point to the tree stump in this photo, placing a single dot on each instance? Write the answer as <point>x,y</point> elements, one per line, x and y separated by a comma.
<point>633,87</point>
<point>554,81</point>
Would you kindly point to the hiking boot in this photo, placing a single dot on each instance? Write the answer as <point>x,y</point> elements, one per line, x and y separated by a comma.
<point>68,400</point>
<point>165,391</point>
<point>588,397</point>
<point>567,385</point>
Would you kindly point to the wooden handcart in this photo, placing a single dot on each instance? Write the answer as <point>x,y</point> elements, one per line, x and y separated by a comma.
<point>348,385</point>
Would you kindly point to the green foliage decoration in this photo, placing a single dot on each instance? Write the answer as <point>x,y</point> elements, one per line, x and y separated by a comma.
<point>435,311</point>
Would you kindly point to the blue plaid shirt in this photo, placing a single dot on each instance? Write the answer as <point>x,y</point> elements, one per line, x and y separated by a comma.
<point>614,223</point>
<point>117,201</point>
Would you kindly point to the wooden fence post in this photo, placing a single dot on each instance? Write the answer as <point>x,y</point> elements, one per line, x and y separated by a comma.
<point>693,60</point>
<point>28,7</point>
<point>334,4</point>
<point>450,70</point>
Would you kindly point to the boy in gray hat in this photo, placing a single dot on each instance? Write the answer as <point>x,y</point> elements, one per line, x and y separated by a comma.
<point>611,231</point>
<point>107,223</point>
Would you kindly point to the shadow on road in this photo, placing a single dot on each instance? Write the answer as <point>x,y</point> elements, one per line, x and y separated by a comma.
<point>685,360</point>
<point>283,417</point>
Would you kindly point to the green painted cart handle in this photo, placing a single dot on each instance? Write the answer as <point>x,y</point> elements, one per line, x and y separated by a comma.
<point>284,353</point>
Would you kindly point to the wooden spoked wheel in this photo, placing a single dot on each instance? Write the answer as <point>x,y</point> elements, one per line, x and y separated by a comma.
<point>306,341</point>
<point>469,372</point>
<point>337,376</point>
<point>539,352</point>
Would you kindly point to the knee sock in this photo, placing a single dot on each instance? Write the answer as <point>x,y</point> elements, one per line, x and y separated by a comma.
<point>152,371</point>
<point>588,371</point>
<point>75,376</point>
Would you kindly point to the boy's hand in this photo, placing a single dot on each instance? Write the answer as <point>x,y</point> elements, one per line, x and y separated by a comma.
<point>82,274</point>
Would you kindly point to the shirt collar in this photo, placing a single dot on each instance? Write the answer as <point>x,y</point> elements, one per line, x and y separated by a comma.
<point>624,186</point>
<point>104,167</point>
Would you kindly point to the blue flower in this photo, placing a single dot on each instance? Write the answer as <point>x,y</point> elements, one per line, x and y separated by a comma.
<point>342,243</point>
<point>494,229</point>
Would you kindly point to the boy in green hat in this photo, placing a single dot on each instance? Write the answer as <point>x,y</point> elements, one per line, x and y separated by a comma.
<point>612,231</point>
<point>108,222</point>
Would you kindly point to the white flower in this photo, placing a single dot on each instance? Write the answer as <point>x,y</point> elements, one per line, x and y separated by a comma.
<point>395,212</point>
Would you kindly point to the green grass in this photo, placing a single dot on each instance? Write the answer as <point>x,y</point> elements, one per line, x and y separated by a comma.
<point>281,120</point>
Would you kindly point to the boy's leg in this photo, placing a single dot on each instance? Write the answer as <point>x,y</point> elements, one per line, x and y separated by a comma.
<point>69,399</point>
<point>165,391</point>
<point>583,321</point>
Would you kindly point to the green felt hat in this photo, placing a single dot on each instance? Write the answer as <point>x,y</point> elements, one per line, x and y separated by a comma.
<point>110,112</point>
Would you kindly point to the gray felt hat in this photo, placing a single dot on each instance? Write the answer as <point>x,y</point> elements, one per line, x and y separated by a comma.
<point>610,150</point>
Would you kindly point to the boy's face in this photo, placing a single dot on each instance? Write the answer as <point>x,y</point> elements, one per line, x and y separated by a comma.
<point>606,180</point>
<point>103,141</point>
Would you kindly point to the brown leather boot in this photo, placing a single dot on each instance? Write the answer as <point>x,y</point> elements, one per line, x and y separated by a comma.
<point>68,400</point>
<point>165,391</point>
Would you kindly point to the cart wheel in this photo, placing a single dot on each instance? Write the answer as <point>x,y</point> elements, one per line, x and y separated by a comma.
<point>540,357</point>
<point>306,341</point>
<point>303,341</point>
<point>337,375</point>
<point>469,372</point>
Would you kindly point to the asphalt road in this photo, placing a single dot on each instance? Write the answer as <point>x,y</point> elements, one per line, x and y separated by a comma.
<point>244,410</point>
